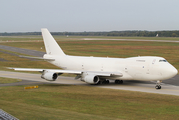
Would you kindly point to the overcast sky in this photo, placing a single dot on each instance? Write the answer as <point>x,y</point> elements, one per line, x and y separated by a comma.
<point>88,15</point>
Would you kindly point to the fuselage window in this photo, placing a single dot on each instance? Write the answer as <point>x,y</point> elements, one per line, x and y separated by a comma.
<point>162,60</point>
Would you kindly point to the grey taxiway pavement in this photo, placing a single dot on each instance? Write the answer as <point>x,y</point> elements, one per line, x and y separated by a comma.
<point>149,87</point>
<point>170,86</point>
<point>23,51</point>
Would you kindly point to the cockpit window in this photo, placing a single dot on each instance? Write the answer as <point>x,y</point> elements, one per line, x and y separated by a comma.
<point>162,60</point>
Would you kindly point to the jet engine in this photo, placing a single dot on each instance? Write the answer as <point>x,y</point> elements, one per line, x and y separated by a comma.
<point>91,79</point>
<point>50,76</point>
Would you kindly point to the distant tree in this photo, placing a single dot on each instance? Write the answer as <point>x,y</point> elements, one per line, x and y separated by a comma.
<point>174,35</point>
<point>111,33</point>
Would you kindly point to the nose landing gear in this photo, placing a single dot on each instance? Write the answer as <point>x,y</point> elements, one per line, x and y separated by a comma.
<point>158,86</point>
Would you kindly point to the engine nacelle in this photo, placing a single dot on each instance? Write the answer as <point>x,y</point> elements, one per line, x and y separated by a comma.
<point>50,76</point>
<point>91,79</point>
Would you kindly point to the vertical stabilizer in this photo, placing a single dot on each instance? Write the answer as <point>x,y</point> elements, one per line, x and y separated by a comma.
<point>51,46</point>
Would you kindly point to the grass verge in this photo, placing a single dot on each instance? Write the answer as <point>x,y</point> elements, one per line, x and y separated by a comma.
<point>85,102</point>
<point>7,80</point>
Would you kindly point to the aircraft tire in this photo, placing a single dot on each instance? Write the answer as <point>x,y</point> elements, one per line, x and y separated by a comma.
<point>118,81</point>
<point>158,87</point>
<point>105,82</point>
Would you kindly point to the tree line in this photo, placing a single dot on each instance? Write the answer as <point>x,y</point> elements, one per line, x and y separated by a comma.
<point>133,33</point>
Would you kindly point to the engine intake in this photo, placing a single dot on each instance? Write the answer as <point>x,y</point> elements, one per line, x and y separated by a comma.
<point>50,76</point>
<point>91,79</point>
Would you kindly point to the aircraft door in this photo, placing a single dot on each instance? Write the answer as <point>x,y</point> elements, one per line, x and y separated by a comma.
<point>125,68</point>
<point>150,66</point>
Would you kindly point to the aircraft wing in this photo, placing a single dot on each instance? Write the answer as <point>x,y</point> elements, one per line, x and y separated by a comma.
<point>71,71</point>
<point>51,70</point>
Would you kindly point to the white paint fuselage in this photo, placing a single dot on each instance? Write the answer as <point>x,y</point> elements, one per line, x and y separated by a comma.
<point>146,68</point>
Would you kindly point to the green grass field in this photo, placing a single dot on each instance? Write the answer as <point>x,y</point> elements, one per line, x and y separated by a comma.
<point>84,102</point>
<point>89,103</point>
<point>7,80</point>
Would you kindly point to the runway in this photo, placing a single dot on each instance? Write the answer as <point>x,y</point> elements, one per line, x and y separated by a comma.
<point>140,40</point>
<point>148,87</point>
<point>23,51</point>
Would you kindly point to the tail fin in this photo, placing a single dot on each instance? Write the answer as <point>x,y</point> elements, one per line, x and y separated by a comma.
<point>51,46</point>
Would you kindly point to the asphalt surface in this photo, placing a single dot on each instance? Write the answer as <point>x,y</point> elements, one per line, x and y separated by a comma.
<point>23,51</point>
<point>35,79</point>
<point>28,79</point>
<point>172,41</point>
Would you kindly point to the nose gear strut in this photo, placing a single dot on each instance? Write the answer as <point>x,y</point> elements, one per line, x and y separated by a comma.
<point>158,86</point>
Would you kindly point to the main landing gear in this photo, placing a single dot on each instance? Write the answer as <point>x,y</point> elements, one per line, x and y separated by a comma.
<point>158,84</point>
<point>105,81</point>
<point>118,81</point>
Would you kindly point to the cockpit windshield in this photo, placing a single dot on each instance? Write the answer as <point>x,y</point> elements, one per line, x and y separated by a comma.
<point>162,60</point>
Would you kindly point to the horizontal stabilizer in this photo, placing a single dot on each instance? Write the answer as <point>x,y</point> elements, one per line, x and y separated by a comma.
<point>39,58</point>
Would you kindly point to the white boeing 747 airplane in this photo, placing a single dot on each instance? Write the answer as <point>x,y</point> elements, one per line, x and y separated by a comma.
<point>96,70</point>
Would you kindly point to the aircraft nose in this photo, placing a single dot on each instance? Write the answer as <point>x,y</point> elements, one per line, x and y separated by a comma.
<point>173,71</point>
<point>169,71</point>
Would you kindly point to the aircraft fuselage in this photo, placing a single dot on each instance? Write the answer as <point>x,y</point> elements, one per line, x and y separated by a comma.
<point>146,68</point>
